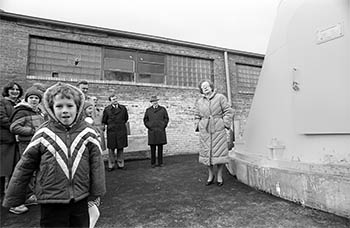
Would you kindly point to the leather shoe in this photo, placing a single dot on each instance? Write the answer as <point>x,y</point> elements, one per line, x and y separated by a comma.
<point>220,183</point>
<point>210,182</point>
<point>153,166</point>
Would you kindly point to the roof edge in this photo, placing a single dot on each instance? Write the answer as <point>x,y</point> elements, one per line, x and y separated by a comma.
<point>4,14</point>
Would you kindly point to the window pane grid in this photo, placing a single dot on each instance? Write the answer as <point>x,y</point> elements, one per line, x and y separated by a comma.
<point>248,77</point>
<point>49,56</point>
<point>187,71</point>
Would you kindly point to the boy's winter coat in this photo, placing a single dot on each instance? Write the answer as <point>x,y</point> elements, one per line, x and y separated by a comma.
<point>68,162</point>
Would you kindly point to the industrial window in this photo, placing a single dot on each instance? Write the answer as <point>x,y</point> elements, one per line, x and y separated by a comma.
<point>133,66</point>
<point>248,77</point>
<point>70,60</point>
<point>118,65</point>
<point>60,59</point>
<point>147,67</point>
<point>151,68</point>
<point>187,71</point>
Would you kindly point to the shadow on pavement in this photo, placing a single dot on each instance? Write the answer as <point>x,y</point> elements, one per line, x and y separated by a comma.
<point>176,196</point>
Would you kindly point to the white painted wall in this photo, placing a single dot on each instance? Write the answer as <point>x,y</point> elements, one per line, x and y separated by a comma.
<point>310,45</point>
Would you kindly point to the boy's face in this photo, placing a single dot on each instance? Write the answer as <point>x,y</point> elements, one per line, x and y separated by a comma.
<point>64,109</point>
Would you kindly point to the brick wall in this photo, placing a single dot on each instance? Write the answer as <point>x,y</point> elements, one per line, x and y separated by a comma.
<point>14,41</point>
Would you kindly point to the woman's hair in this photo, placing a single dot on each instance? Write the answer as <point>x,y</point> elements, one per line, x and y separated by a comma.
<point>65,92</point>
<point>205,80</point>
<point>10,85</point>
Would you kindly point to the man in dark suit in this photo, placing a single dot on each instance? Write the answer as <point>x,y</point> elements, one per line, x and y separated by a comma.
<point>156,120</point>
<point>115,117</point>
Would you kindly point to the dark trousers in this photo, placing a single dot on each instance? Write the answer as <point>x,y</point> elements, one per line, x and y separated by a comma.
<point>74,214</point>
<point>2,186</point>
<point>153,154</point>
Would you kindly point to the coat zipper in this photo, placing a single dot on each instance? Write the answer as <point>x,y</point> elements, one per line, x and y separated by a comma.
<point>71,191</point>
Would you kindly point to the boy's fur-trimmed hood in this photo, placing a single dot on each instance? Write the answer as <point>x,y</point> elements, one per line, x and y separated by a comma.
<point>49,111</point>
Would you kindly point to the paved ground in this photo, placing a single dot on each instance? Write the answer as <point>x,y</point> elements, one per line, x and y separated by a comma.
<point>175,196</point>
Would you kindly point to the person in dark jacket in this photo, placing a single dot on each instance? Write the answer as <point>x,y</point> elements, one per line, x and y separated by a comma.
<point>11,93</point>
<point>66,154</point>
<point>115,116</point>
<point>156,119</point>
<point>26,118</point>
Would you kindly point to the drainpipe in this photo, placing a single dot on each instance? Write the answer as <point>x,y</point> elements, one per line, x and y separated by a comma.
<point>228,85</point>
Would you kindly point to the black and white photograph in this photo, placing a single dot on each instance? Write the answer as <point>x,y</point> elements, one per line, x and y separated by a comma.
<point>175,114</point>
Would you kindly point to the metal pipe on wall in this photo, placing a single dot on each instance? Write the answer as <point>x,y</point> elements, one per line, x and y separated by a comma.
<point>227,73</point>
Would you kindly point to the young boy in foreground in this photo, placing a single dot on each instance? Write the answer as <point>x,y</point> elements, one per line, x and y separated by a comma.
<point>66,153</point>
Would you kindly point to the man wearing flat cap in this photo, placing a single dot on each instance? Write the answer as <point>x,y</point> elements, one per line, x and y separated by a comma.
<point>156,119</point>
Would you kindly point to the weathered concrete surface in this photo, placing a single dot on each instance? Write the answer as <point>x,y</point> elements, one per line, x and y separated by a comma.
<point>324,187</point>
<point>175,196</point>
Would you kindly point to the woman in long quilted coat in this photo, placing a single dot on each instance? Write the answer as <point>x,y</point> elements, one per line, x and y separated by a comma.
<point>213,116</point>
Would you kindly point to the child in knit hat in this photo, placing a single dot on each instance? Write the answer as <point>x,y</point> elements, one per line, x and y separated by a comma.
<point>27,117</point>
<point>25,120</point>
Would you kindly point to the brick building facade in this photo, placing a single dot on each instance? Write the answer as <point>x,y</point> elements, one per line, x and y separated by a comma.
<point>133,66</point>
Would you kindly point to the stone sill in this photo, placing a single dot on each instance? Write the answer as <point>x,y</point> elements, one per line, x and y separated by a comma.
<point>107,82</point>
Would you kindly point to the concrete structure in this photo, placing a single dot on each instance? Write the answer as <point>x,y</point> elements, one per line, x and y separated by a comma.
<point>134,66</point>
<point>296,144</point>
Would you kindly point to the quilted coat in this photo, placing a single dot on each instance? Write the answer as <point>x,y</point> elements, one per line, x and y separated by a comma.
<point>213,116</point>
<point>68,162</point>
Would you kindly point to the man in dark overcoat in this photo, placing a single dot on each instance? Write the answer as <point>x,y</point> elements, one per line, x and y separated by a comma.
<point>156,120</point>
<point>114,119</point>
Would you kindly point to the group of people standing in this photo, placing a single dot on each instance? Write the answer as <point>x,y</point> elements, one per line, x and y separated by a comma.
<point>114,120</point>
<point>213,118</point>
<point>60,134</point>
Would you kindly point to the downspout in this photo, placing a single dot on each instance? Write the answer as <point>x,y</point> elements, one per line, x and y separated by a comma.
<point>228,85</point>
